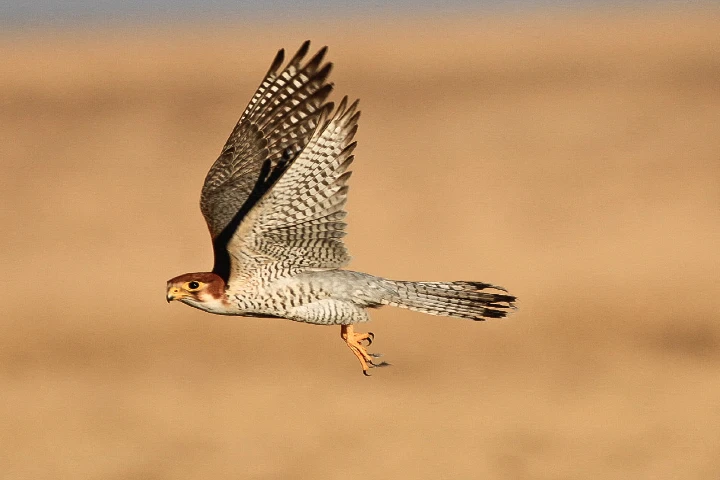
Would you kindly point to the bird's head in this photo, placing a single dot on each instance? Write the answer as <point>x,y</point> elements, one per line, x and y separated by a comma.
<point>205,291</point>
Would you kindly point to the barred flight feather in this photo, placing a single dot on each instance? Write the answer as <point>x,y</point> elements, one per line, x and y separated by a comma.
<point>298,220</point>
<point>275,126</point>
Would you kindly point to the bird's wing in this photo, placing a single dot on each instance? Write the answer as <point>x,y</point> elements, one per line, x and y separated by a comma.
<point>276,125</point>
<point>298,224</point>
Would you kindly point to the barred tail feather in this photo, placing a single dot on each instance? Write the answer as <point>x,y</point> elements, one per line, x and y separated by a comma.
<point>451,299</point>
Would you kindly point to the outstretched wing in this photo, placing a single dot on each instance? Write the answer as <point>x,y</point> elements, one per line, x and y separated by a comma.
<point>276,125</point>
<point>298,224</point>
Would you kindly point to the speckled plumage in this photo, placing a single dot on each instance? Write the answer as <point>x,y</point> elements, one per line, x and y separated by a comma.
<point>274,204</point>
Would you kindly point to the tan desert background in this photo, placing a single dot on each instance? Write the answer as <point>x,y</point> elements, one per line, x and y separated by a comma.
<point>573,158</point>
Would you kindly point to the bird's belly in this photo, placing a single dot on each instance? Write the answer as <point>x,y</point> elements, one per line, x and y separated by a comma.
<point>281,298</point>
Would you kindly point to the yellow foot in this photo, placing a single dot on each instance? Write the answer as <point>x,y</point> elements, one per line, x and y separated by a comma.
<point>354,342</point>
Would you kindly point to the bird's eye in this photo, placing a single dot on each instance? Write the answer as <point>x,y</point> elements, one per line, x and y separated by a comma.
<point>193,285</point>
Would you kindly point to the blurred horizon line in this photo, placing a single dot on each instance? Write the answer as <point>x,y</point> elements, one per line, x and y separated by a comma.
<point>86,13</point>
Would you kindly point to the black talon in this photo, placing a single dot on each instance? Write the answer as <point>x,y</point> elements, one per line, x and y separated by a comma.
<point>375,355</point>
<point>381,364</point>
<point>365,372</point>
<point>370,339</point>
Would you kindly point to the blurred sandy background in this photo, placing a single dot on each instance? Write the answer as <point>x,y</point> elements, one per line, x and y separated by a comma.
<point>573,158</point>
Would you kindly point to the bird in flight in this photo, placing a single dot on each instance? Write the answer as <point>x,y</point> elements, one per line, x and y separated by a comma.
<point>274,204</point>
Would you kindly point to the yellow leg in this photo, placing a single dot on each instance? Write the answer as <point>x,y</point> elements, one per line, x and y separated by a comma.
<point>353,341</point>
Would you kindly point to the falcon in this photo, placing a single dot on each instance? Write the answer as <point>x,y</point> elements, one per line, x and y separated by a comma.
<point>274,204</point>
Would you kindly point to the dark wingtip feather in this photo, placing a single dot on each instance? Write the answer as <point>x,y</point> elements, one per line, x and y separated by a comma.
<point>317,59</point>
<point>323,117</point>
<point>354,121</point>
<point>302,51</point>
<point>341,108</point>
<point>323,73</point>
<point>279,58</point>
<point>350,135</point>
<point>350,147</point>
<point>352,108</point>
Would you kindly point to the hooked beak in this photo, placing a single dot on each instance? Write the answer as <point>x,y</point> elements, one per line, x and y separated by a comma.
<point>173,293</point>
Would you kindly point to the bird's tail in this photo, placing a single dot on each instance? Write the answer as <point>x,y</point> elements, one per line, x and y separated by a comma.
<point>451,299</point>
